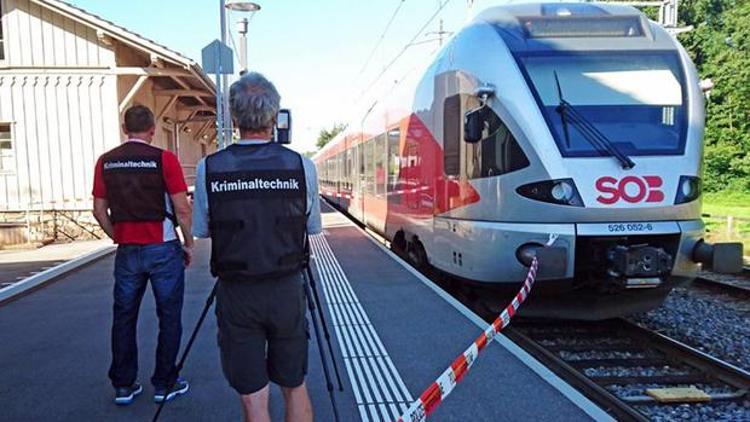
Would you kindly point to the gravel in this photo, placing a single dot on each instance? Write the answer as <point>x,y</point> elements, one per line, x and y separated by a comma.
<point>719,411</point>
<point>596,354</point>
<point>707,322</point>
<point>627,371</point>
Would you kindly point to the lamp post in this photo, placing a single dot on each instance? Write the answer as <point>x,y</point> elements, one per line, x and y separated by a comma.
<point>236,6</point>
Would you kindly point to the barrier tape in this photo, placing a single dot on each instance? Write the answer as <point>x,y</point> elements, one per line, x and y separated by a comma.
<point>429,400</point>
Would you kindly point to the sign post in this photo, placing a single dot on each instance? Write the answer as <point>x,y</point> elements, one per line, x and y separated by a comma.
<point>217,59</point>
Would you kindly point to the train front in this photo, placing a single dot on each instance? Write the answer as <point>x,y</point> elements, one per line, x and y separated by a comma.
<point>613,134</point>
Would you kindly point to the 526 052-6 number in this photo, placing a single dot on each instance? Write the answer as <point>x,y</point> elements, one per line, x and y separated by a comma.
<point>630,227</point>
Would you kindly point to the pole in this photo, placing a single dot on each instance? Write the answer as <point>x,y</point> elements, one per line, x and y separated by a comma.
<point>220,89</point>
<point>226,122</point>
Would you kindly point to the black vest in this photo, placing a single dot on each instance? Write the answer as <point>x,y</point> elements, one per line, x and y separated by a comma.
<point>257,207</point>
<point>135,183</point>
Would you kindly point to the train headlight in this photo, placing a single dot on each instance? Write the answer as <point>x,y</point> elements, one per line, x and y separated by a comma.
<point>561,191</point>
<point>688,190</point>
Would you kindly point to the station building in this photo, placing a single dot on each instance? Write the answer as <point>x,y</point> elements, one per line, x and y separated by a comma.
<point>66,77</point>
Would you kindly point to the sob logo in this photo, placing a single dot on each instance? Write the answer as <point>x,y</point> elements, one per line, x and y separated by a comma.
<point>632,189</point>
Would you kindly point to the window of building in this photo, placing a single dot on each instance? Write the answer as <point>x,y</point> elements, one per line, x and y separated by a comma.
<point>2,38</point>
<point>7,155</point>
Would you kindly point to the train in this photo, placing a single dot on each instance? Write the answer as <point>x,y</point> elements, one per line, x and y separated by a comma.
<point>580,120</point>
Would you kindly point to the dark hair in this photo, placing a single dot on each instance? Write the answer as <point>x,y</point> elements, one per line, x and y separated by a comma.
<point>138,119</point>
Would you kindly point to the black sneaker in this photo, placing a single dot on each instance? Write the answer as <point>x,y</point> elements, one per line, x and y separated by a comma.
<point>180,387</point>
<point>125,395</point>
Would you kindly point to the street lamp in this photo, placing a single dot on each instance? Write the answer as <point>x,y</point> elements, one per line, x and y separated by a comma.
<point>238,6</point>
<point>243,6</point>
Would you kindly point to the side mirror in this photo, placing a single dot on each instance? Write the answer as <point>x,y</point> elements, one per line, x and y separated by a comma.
<point>284,126</point>
<point>474,122</point>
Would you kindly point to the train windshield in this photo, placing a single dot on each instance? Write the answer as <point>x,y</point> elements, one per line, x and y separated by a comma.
<point>635,99</point>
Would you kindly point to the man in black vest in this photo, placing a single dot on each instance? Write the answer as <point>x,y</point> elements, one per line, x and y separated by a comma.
<point>139,199</point>
<point>258,201</point>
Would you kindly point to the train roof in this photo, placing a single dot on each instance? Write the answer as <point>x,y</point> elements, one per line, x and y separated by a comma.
<point>575,26</point>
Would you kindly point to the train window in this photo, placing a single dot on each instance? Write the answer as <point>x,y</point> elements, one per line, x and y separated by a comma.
<point>452,118</point>
<point>348,168</point>
<point>380,171</point>
<point>497,153</point>
<point>369,167</point>
<point>394,158</point>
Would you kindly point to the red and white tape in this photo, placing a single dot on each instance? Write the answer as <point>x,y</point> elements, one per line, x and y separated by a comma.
<point>423,406</point>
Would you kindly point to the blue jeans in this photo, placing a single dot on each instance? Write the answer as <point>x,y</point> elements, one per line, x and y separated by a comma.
<point>135,265</point>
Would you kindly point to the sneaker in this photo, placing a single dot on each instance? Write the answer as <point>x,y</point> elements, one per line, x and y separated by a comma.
<point>180,387</point>
<point>125,395</point>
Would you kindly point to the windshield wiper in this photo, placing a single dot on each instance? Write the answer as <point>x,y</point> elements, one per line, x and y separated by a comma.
<point>593,135</point>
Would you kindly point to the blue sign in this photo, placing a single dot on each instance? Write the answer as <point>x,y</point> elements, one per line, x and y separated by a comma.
<point>218,58</point>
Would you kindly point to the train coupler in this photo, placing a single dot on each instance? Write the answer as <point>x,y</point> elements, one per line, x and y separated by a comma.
<point>638,266</point>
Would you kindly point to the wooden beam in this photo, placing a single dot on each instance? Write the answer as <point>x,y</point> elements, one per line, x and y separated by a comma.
<point>203,128</point>
<point>132,93</point>
<point>168,106</point>
<point>151,71</point>
<point>184,85</point>
<point>182,93</point>
<point>200,108</point>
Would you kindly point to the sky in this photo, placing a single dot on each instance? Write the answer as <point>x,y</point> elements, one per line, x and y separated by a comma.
<point>315,51</point>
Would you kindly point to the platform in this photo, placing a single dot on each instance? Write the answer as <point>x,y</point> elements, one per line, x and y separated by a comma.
<point>393,332</point>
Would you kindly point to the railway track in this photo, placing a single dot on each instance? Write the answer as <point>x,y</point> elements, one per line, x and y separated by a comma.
<point>738,285</point>
<point>624,367</point>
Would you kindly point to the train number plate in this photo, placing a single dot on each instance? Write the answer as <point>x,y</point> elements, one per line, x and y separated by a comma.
<point>598,229</point>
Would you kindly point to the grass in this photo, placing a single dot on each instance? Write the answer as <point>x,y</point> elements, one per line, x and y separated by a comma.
<point>720,205</point>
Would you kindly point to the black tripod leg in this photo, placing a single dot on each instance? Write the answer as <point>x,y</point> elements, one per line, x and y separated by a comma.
<point>326,372</point>
<point>181,363</point>
<point>326,333</point>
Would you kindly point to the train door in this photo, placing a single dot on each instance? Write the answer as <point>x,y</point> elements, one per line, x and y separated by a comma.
<point>359,175</point>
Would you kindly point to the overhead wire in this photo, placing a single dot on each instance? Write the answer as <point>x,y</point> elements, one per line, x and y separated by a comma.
<point>381,38</point>
<point>407,45</point>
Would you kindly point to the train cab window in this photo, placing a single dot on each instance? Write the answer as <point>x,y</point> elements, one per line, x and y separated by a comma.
<point>497,153</point>
<point>380,170</point>
<point>452,118</point>
<point>394,158</point>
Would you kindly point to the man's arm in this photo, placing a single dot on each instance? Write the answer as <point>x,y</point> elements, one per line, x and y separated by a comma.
<point>314,225</point>
<point>174,180</point>
<point>200,202</point>
<point>102,216</point>
<point>183,212</point>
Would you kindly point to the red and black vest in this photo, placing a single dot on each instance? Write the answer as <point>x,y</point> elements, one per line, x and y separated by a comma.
<point>135,184</point>
<point>257,207</point>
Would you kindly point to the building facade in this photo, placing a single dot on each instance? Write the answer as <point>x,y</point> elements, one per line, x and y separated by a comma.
<point>66,77</point>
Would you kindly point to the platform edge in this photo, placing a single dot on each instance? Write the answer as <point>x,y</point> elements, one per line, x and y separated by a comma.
<point>575,397</point>
<point>53,273</point>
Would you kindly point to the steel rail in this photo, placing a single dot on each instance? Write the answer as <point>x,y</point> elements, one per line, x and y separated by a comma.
<point>707,367</point>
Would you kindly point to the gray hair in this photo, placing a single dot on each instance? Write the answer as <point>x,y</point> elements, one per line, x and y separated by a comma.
<point>254,102</point>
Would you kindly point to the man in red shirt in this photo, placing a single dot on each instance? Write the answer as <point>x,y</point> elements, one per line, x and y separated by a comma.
<point>139,199</point>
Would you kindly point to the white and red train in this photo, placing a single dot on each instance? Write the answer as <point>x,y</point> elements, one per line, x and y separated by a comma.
<point>580,119</point>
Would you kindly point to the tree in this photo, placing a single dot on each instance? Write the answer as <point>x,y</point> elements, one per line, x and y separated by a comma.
<point>326,135</point>
<point>720,47</point>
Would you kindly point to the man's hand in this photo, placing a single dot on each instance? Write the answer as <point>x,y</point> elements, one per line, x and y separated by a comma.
<point>187,255</point>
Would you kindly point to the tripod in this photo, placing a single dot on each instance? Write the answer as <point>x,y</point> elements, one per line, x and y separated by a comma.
<point>194,334</point>
<point>313,302</point>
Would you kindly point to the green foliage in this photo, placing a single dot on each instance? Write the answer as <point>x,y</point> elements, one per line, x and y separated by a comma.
<point>326,135</point>
<point>720,47</point>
